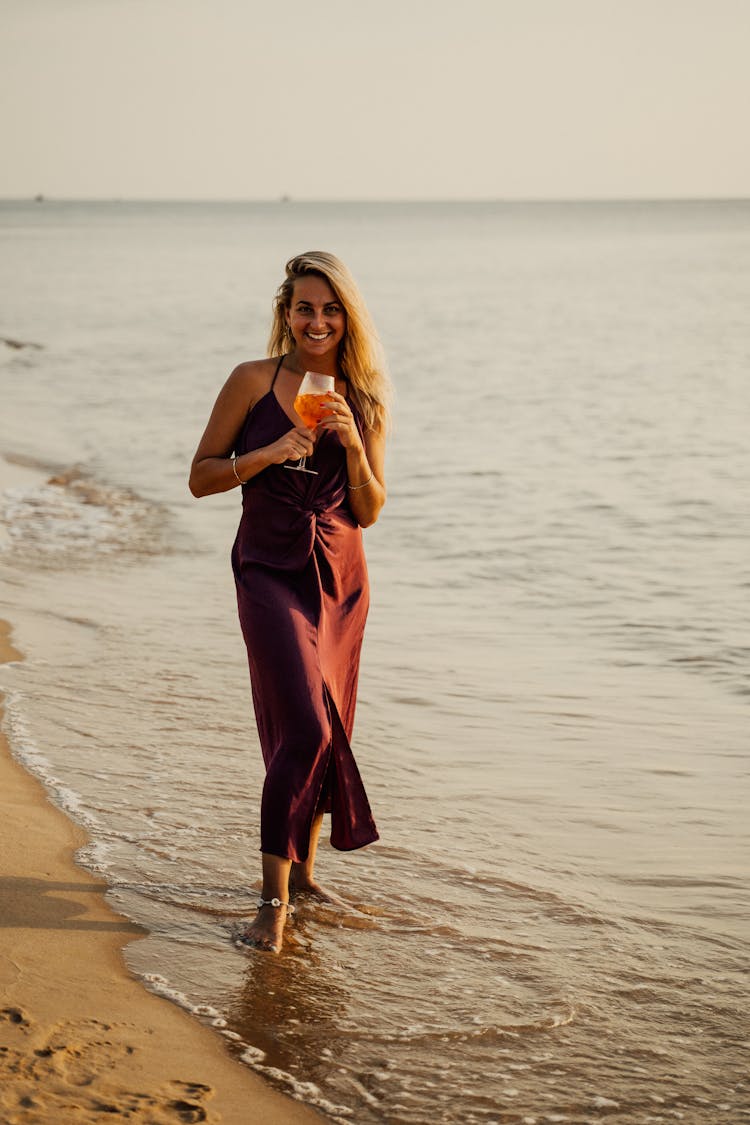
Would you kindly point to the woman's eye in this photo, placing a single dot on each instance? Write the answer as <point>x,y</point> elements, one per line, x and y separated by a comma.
<point>331,309</point>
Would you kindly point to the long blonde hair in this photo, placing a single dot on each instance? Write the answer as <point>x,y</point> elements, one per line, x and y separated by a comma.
<point>360,352</point>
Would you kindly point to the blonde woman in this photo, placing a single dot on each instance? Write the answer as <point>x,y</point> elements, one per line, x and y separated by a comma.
<point>299,565</point>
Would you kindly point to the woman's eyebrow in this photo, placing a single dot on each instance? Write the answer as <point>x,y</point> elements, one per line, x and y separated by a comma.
<point>309,304</point>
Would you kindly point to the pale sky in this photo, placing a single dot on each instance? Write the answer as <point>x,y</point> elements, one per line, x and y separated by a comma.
<point>384,99</point>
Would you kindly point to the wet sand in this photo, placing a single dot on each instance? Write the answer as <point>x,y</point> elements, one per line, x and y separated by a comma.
<point>80,1039</point>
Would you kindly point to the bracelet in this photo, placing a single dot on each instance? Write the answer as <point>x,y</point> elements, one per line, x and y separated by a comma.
<point>364,484</point>
<point>234,467</point>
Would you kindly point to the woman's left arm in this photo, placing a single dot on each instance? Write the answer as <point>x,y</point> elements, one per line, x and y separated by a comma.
<point>365,460</point>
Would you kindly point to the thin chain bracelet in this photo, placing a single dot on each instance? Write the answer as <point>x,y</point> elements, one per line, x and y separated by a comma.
<point>364,484</point>
<point>234,467</point>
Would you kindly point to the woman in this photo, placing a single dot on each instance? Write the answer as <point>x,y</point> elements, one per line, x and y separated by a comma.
<point>299,566</point>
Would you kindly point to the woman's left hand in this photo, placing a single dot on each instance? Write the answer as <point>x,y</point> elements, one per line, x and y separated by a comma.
<point>340,419</point>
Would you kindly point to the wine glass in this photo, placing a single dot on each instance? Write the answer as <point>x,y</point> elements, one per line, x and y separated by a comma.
<point>310,405</point>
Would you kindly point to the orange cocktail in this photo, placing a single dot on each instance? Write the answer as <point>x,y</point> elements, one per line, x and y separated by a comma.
<point>311,408</point>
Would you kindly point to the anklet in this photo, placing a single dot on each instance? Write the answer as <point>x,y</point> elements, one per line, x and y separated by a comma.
<point>275,902</point>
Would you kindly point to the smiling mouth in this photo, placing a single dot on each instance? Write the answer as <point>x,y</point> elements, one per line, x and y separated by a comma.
<point>318,335</point>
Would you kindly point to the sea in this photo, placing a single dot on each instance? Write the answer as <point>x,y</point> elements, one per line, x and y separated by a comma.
<point>553,721</point>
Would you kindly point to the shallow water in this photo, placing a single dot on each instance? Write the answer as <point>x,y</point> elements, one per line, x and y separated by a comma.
<point>553,715</point>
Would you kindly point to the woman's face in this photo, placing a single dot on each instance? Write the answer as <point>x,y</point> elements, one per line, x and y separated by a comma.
<point>316,316</point>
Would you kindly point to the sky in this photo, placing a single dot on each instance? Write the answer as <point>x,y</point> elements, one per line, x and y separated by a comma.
<point>386,99</point>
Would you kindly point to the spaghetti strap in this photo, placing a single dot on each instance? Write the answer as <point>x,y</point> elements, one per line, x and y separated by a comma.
<point>278,368</point>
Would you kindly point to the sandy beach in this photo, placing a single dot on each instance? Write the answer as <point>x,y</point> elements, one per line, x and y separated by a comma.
<point>80,1039</point>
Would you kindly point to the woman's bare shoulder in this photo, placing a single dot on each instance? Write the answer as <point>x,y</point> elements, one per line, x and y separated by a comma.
<point>251,379</point>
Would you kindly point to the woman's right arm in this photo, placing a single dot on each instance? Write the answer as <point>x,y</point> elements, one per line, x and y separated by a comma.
<point>212,470</point>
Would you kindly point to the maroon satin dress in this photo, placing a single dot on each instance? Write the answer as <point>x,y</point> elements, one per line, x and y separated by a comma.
<point>303,595</point>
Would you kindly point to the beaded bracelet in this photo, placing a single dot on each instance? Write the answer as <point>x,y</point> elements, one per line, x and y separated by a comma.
<point>234,467</point>
<point>364,484</point>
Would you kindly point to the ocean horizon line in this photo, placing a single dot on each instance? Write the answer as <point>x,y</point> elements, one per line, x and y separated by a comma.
<point>284,200</point>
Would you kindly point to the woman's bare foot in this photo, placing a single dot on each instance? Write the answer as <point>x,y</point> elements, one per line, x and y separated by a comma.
<point>301,883</point>
<point>266,931</point>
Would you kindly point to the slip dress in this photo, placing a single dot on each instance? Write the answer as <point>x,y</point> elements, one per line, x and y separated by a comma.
<point>303,596</point>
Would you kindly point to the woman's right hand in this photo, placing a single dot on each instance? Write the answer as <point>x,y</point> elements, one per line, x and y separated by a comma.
<point>213,468</point>
<point>291,446</point>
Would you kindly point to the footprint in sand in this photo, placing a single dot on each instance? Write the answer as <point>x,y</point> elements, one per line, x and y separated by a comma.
<point>78,1064</point>
<point>14,1016</point>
